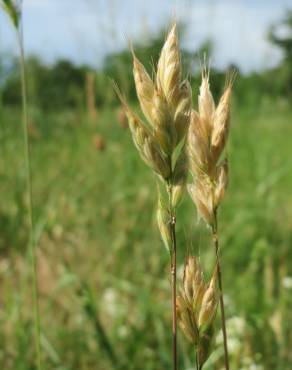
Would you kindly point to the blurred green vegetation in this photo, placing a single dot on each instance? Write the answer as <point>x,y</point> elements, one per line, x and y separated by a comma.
<point>103,271</point>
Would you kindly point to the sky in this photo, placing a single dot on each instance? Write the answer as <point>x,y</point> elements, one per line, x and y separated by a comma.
<point>85,31</point>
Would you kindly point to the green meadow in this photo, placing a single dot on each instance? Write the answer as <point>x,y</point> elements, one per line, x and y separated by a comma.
<point>102,268</point>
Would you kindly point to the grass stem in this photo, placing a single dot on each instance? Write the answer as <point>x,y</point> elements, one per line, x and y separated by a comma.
<point>221,299</point>
<point>197,360</point>
<point>32,241</point>
<point>173,279</point>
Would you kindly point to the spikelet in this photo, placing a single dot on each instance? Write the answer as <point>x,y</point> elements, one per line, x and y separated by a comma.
<point>206,101</point>
<point>202,195</point>
<point>222,121</point>
<point>163,129</point>
<point>198,138</point>
<point>188,327</point>
<point>163,221</point>
<point>169,68</point>
<point>144,87</point>
<point>146,145</point>
<point>166,105</point>
<point>209,304</point>
<point>183,111</point>
<point>196,308</point>
<point>180,174</point>
<point>193,284</point>
<point>221,183</point>
<point>207,139</point>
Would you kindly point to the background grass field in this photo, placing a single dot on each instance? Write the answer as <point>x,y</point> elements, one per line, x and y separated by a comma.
<point>102,266</point>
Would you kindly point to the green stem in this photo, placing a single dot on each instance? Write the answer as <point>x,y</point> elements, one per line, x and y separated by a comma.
<point>197,360</point>
<point>219,276</point>
<point>32,241</point>
<point>173,278</point>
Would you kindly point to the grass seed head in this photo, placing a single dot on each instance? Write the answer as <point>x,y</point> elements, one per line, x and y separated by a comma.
<point>196,307</point>
<point>166,105</point>
<point>207,139</point>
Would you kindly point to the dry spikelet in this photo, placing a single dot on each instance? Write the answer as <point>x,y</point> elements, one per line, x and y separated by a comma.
<point>202,195</point>
<point>196,308</point>
<point>144,87</point>
<point>183,111</point>
<point>163,221</point>
<point>222,120</point>
<point>209,304</point>
<point>147,147</point>
<point>199,154</point>
<point>193,283</point>
<point>221,183</point>
<point>206,101</point>
<point>185,321</point>
<point>169,68</point>
<point>207,138</point>
<point>145,142</point>
<point>161,123</point>
<point>180,174</point>
<point>166,105</point>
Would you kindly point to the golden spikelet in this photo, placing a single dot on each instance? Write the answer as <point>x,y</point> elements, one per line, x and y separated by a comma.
<point>163,221</point>
<point>221,182</point>
<point>166,104</point>
<point>169,68</point>
<point>144,87</point>
<point>193,283</point>
<point>209,304</point>
<point>202,195</point>
<point>180,174</point>
<point>207,139</point>
<point>196,308</point>
<point>221,122</point>
<point>146,145</point>
<point>183,111</point>
<point>206,102</point>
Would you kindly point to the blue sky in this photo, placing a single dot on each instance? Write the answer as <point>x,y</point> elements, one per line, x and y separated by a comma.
<point>86,30</point>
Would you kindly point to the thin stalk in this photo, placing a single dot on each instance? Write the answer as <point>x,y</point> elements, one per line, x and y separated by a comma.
<point>173,279</point>
<point>219,276</point>
<point>32,241</point>
<point>197,360</point>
